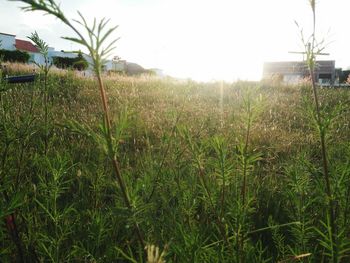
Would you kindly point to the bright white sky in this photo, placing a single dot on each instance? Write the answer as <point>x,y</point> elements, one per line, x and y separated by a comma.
<point>199,39</point>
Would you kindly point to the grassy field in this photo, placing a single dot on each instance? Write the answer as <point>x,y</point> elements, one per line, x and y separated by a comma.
<point>215,172</point>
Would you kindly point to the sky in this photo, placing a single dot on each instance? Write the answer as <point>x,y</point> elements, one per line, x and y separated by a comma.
<point>200,39</point>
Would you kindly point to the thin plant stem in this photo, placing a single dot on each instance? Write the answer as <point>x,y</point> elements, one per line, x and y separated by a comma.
<point>311,64</point>
<point>104,104</point>
<point>115,163</point>
<point>218,219</point>
<point>245,150</point>
<point>93,44</point>
<point>325,165</point>
<point>46,107</point>
<point>223,189</point>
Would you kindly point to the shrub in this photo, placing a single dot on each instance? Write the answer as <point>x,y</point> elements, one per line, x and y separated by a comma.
<point>343,76</point>
<point>14,56</point>
<point>78,63</point>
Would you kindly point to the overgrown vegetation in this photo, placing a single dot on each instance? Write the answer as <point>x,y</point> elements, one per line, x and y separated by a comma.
<point>14,55</point>
<point>78,63</point>
<point>183,166</point>
<point>192,172</point>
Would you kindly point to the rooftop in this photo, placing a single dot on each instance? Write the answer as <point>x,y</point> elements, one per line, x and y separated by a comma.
<point>26,46</point>
<point>290,67</point>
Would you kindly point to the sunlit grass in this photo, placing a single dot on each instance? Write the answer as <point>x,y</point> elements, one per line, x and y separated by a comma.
<point>181,149</point>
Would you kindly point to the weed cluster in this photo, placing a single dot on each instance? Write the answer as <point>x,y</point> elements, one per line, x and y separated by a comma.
<point>170,170</point>
<point>249,189</point>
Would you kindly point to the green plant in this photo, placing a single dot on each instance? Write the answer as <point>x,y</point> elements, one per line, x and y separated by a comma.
<point>51,214</point>
<point>14,56</point>
<point>301,204</point>
<point>246,161</point>
<point>94,43</point>
<point>212,173</point>
<point>78,63</point>
<point>312,49</point>
<point>45,68</point>
<point>166,126</point>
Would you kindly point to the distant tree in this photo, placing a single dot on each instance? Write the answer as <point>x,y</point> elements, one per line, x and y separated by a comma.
<point>63,62</point>
<point>344,76</point>
<point>80,62</point>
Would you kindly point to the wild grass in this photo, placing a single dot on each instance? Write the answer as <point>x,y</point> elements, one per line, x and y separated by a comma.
<point>197,186</point>
<point>157,170</point>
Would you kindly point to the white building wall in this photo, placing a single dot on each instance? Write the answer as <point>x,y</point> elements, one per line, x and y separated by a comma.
<point>88,59</point>
<point>109,65</point>
<point>7,42</point>
<point>37,58</point>
<point>53,53</point>
<point>117,66</point>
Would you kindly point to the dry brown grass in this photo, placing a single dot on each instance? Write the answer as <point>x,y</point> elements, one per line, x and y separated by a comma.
<point>281,129</point>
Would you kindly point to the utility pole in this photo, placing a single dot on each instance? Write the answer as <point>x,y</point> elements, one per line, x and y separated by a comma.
<point>308,51</point>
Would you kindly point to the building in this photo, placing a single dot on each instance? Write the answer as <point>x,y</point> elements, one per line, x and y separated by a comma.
<point>31,49</point>
<point>124,66</point>
<point>117,65</point>
<point>68,54</point>
<point>294,71</point>
<point>10,42</point>
<point>7,41</point>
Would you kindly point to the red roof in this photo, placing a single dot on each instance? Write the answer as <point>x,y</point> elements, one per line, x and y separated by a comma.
<point>26,46</point>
